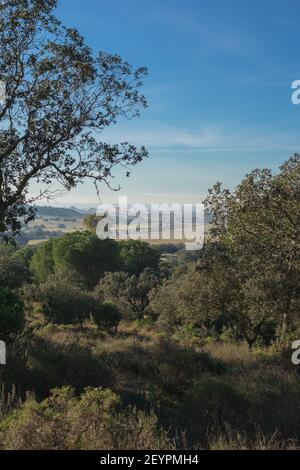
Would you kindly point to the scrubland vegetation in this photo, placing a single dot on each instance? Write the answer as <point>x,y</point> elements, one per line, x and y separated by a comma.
<point>113,346</point>
<point>144,389</point>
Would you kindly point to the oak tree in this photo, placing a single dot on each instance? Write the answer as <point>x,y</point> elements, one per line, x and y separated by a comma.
<point>59,98</point>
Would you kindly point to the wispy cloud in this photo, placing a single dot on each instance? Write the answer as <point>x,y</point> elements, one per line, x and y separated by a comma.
<point>157,135</point>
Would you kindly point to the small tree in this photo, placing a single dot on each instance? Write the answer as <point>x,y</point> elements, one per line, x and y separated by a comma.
<point>11,314</point>
<point>106,316</point>
<point>64,303</point>
<point>130,291</point>
<point>260,221</point>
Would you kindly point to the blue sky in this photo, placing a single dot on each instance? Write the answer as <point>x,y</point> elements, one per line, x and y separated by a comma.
<point>219,89</point>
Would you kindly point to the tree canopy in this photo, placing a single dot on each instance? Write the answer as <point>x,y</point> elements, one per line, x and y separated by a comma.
<point>60,96</point>
<point>246,279</point>
<point>63,302</point>
<point>137,255</point>
<point>260,223</point>
<point>81,254</point>
<point>106,316</point>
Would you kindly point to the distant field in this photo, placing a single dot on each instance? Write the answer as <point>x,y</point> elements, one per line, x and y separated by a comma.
<point>41,229</point>
<point>35,242</point>
<point>63,225</point>
<point>50,224</point>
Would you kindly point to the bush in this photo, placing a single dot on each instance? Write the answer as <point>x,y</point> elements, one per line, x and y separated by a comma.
<point>92,421</point>
<point>107,316</point>
<point>129,292</point>
<point>215,404</point>
<point>64,303</point>
<point>14,266</point>
<point>11,314</point>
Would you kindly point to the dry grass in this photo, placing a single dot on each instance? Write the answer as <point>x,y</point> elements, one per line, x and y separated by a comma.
<point>207,395</point>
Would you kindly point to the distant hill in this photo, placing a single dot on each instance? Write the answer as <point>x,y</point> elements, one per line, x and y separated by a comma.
<point>62,212</point>
<point>74,213</point>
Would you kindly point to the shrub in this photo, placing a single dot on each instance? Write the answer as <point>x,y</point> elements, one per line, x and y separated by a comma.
<point>92,421</point>
<point>14,266</point>
<point>11,314</point>
<point>129,292</point>
<point>215,404</point>
<point>64,303</point>
<point>107,316</point>
<point>38,364</point>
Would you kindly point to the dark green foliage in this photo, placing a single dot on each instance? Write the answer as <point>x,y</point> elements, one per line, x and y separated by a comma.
<point>107,316</point>
<point>63,302</point>
<point>82,254</point>
<point>14,266</point>
<point>87,257</point>
<point>41,264</point>
<point>11,314</point>
<point>130,292</point>
<point>137,256</point>
<point>260,224</point>
<point>212,403</point>
<point>246,279</point>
